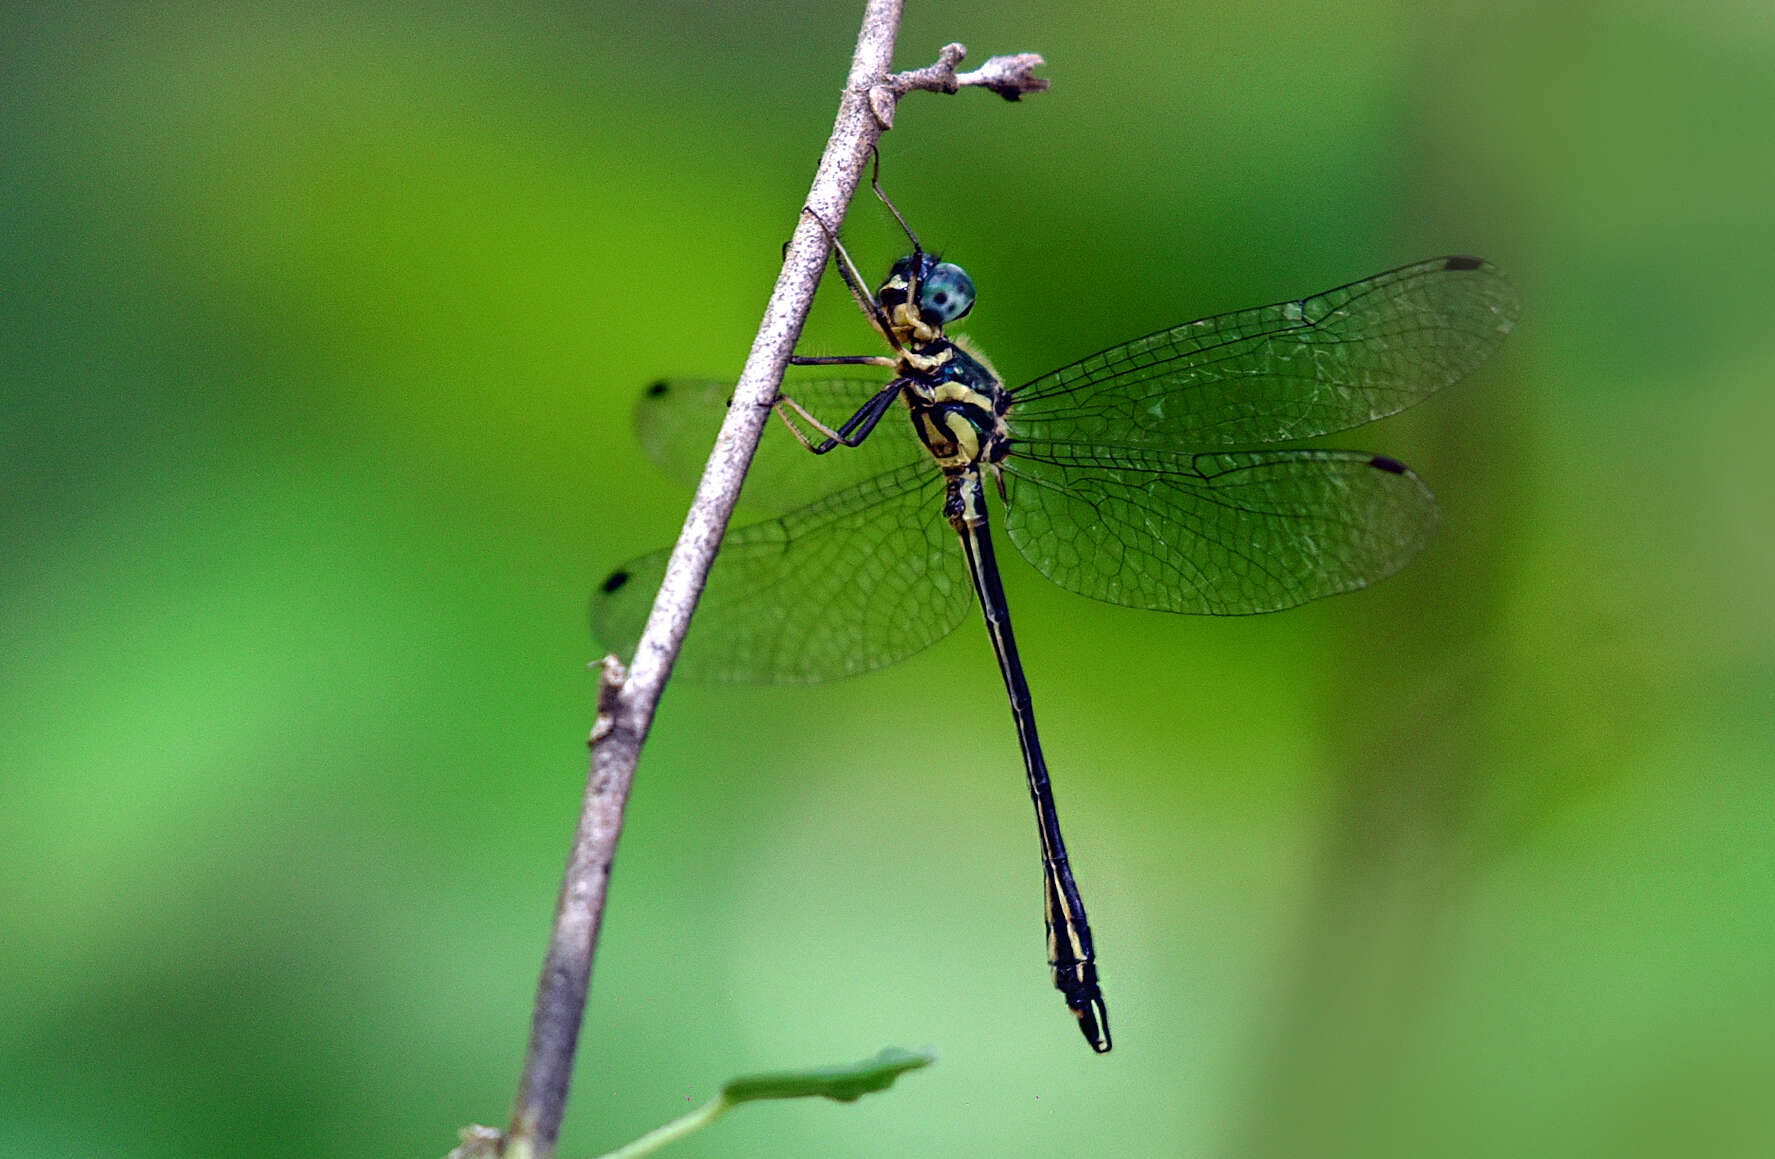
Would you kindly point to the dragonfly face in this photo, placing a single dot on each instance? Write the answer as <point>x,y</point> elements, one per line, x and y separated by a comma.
<point>922,295</point>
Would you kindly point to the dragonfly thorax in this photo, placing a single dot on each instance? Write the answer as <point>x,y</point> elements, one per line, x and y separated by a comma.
<point>958,406</point>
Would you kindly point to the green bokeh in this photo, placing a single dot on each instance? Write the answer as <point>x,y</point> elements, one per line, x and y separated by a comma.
<point>319,328</point>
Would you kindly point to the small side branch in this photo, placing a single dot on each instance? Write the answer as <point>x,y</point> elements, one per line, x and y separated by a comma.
<point>1008,76</point>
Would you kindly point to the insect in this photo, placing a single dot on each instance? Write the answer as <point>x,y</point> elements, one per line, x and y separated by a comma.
<point>1154,474</point>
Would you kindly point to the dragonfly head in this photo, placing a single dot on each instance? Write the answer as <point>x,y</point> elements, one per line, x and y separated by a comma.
<point>922,295</point>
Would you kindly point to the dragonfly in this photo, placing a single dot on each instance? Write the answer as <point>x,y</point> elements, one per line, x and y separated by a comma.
<point>1160,473</point>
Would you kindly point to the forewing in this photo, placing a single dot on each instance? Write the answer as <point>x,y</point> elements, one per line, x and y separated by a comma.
<point>1221,533</point>
<point>676,421</point>
<point>854,581</point>
<point>1271,374</point>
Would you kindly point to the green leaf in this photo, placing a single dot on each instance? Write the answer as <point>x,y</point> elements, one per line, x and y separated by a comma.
<point>845,1084</point>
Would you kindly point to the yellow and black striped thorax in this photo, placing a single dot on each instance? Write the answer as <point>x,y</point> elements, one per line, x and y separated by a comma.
<point>958,407</point>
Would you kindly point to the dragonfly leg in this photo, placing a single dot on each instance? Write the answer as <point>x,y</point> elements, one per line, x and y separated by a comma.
<point>855,283</point>
<point>842,360</point>
<point>851,432</point>
<point>875,184</point>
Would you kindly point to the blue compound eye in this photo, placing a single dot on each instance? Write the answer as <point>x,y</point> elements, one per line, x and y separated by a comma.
<point>945,294</point>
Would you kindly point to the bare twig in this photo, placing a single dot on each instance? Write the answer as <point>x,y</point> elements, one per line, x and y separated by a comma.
<point>626,705</point>
<point>611,678</point>
<point>1008,76</point>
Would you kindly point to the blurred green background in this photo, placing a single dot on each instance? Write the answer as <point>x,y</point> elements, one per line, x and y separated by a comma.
<point>319,329</point>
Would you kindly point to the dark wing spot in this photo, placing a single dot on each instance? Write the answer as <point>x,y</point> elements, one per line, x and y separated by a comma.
<point>615,582</point>
<point>659,388</point>
<point>1379,462</point>
<point>1463,263</point>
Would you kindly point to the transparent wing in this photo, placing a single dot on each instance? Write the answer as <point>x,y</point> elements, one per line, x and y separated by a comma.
<point>676,420</point>
<point>1221,533</point>
<point>1294,370</point>
<point>854,581</point>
